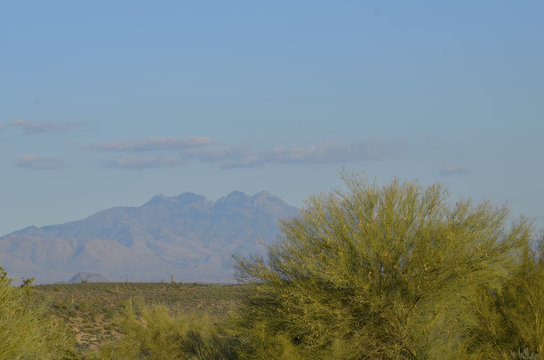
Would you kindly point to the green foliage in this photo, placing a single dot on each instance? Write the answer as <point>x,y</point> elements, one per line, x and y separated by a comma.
<point>371,272</point>
<point>510,320</point>
<point>89,309</point>
<point>25,330</point>
<point>378,272</point>
<point>266,346</point>
<point>153,332</point>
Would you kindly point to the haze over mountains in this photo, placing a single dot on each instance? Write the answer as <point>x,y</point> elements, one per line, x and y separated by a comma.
<point>187,236</point>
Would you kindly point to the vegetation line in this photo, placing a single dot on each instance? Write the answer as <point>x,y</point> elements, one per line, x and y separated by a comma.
<point>397,271</point>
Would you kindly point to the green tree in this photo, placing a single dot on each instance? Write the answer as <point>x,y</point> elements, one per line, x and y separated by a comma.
<point>510,319</point>
<point>377,272</point>
<point>26,332</point>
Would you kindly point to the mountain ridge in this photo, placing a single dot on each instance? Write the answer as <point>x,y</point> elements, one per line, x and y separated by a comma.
<point>187,236</point>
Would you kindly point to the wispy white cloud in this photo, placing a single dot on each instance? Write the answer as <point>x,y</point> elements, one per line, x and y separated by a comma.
<point>455,170</point>
<point>325,152</point>
<point>40,163</point>
<point>203,149</point>
<point>134,162</point>
<point>222,154</point>
<point>329,151</point>
<point>152,144</point>
<point>31,127</point>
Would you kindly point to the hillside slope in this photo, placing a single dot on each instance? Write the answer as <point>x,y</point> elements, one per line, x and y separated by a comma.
<point>186,236</point>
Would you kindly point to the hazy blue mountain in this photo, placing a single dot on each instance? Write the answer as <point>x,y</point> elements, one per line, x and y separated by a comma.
<point>187,236</point>
<point>88,277</point>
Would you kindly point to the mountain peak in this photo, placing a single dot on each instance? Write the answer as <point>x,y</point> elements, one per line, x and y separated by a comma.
<point>183,235</point>
<point>189,197</point>
<point>183,199</point>
<point>237,195</point>
<point>263,195</point>
<point>157,199</point>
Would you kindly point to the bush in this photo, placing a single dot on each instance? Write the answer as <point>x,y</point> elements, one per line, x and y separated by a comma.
<point>152,332</point>
<point>377,272</point>
<point>25,330</point>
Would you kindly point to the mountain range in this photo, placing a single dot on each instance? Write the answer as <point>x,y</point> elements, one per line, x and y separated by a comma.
<point>186,236</point>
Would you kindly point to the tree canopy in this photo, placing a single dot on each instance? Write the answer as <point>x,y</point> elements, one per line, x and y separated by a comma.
<point>379,272</point>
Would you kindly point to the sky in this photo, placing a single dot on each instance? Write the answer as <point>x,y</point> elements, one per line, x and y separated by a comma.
<point>108,103</point>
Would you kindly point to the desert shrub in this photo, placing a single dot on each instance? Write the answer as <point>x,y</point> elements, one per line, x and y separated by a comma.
<point>376,272</point>
<point>154,332</point>
<point>26,332</point>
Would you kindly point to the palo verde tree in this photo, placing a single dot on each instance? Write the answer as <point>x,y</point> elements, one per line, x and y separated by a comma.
<point>376,272</point>
<point>510,319</point>
<point>26,332</point>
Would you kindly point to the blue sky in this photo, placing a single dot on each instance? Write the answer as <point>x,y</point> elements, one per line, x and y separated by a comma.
<point>108,103</point>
